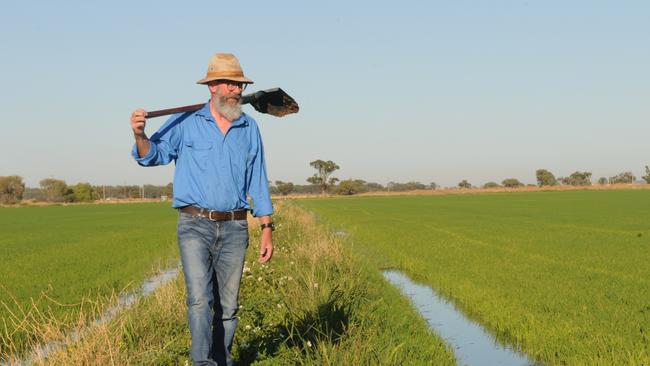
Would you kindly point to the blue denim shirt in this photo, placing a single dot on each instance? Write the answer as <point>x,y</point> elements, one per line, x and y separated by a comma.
<point>213,170</point>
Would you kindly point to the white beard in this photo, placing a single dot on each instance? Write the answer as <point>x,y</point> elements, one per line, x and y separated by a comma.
<point>226,109</point>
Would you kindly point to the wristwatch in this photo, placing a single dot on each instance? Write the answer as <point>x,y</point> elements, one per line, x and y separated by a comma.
<point>269,225</point>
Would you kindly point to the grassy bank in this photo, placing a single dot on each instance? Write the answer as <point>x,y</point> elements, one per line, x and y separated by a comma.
<point>314,304</point>
<point>60,263</point>
<point>563,275</point>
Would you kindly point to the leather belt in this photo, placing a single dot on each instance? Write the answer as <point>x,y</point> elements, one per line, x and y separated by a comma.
<point>215,215</point>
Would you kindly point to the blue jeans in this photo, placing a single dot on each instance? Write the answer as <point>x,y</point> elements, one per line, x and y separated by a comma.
<point>212,254</point>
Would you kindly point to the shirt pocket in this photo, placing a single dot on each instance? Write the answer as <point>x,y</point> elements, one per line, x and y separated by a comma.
<point>199,150</point>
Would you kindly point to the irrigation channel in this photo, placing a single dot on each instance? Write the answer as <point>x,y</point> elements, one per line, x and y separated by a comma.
<point>124,301</point>
<point>471,343</point>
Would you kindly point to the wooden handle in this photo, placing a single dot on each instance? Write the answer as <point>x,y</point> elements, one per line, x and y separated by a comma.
<point>164,112</point>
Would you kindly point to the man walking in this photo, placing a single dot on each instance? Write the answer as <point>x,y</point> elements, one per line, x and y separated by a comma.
<point>219,161</point>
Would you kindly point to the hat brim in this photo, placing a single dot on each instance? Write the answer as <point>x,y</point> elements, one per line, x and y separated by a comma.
<point>240,79</point>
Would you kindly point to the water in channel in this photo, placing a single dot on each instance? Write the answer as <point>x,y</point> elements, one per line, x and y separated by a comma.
<point>124,301</point>
<point>471,343</point>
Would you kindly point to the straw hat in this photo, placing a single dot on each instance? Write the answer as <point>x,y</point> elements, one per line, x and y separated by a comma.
<point>224,66</point>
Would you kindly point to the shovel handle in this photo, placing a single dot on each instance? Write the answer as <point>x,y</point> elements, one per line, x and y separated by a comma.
<point>273,101</point>
<point>164,112</point>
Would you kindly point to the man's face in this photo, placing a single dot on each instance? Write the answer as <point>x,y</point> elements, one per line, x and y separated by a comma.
<point>226,98</point>
<point>230,90</point>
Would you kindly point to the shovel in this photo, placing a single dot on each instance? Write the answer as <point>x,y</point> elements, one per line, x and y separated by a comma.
<point>271,101</point>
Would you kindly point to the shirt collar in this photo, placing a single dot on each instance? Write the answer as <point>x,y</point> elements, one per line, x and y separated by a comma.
<point>207,115</point>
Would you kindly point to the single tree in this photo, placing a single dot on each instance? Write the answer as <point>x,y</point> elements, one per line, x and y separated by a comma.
<point>602,181</point>
<point>545,178</point>
<point>464,184</point>
<point>322,177</point>
<point>83,192</point>
<point>511,183</point>
<point>11,189</point>
<point>56,190</point>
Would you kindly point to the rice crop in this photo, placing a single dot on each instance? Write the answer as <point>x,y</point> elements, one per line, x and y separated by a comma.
<point>60,262</point>
<point>563,275</point>
<point>313,304</point>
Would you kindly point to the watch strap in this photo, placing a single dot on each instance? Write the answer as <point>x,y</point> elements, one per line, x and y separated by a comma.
<point>269,225</point>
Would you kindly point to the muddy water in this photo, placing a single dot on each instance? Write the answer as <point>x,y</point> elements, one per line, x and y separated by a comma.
<point>471,343</point>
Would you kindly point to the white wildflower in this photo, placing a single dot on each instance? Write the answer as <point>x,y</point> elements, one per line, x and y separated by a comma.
<point>259,279</point>
<point>308,344</point>
<point>247,327</point>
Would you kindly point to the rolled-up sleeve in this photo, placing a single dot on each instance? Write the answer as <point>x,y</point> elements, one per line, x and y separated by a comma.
<point>163,145</point>
<point>258,185</point>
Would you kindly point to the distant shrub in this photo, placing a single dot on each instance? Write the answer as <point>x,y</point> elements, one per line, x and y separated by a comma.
<point>464,184</point>
<point>577,179</point>
<point>545,178</point>
<point>626,177</point>
<point>511,183</point>
<point>11,189</point>
<point>491,185</point>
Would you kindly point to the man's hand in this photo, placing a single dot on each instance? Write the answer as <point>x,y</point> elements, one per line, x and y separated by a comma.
<point>138,122</point>
<point>266,247</point>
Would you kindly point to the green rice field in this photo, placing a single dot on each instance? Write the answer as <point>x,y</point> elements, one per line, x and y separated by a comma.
<point>563,275</point>
<point>53,257</point>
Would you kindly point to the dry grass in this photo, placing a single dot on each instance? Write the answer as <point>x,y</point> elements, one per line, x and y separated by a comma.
<point>134,336</point>
<point>42,330</point>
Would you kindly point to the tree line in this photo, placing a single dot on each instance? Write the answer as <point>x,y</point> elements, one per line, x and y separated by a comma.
<point>324,182</point>
<point>545,179</point>
<point>13,190</point>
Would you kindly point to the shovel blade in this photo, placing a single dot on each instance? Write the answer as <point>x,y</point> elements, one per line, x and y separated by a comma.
<point>272,101</point>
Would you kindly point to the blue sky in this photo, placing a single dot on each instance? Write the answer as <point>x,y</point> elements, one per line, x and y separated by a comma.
<point>435,91</point>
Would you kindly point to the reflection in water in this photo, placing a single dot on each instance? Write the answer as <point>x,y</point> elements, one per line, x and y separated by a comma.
<point>472,344</point>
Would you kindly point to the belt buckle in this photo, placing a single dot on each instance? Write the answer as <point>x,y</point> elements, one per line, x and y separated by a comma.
<point>210,215</point>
